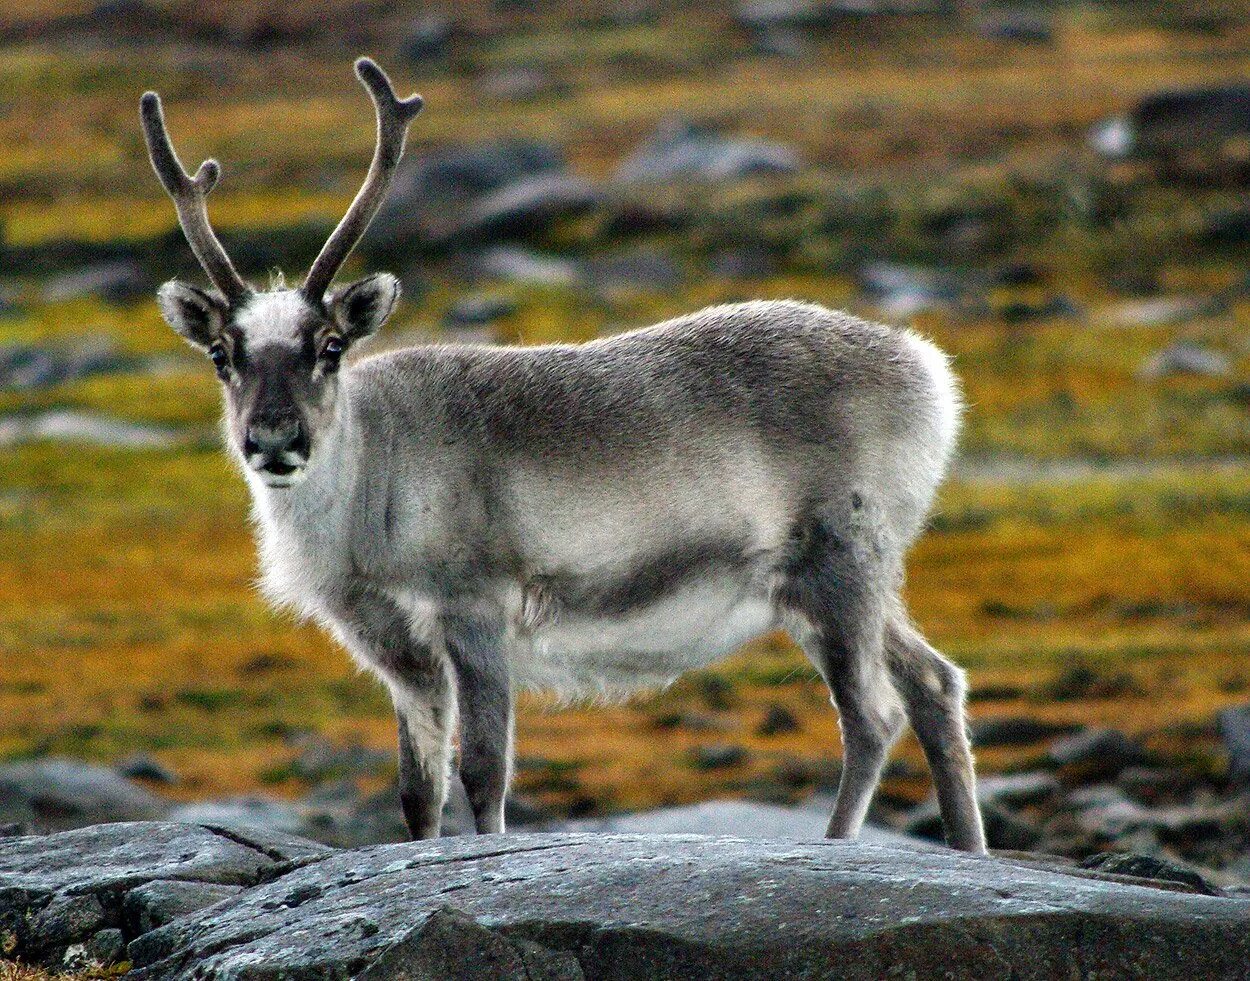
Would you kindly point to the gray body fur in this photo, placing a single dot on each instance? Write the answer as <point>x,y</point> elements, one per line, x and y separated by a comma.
<point>598,518</point>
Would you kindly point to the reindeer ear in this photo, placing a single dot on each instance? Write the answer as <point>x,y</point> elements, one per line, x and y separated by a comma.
<point>196,314</point>
<point>364,306</point>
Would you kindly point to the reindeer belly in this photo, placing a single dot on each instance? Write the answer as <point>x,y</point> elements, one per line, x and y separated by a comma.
<point>577,652</point>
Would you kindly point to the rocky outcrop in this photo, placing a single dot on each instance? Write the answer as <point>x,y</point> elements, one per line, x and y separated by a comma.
<point>190,901</point>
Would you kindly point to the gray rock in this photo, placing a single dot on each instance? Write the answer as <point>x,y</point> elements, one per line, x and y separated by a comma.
<point>65,426</point>
<point>1185,358</point>
<point>1094,754</point>
<point>117,281</point>
<point>319,759</point>
<point>521,209</point>
<point>695,907</point>
<point>718,756</point>
<point>1171,123</point>
<point>520,265</point>
<point>427,37</point>
<point>777,721</point>
<point>62,889</point>
<point>28,367</point>
<point>1022,26</point>
<point>1234,728</point>
<point>106,947</point>
<point>1003,829</point>
<point>252,812</point>
<point>1015,730</point>
<point>681,149</point>
<point>478,310</point>
<point>144,766</point>
<point>1017,789</point>
<point>432,190</point>
<point>452,945</point>
<point>639,269</point>
<point>1149,867</point>
<point>156,903</point>
<point>902,291</point>
<point>62,793</point>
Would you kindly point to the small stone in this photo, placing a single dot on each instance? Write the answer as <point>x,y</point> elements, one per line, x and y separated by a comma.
<point>1149,867</point>
<point>143,766</point>
<point>1185,358</point>
<point>778,721</point>
<point>717,757</point>
<point>1015,730</point>
<point>106,947</point>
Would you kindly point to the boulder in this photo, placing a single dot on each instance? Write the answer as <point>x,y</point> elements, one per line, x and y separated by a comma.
<point>61,793</point>
<point>1171,123</point>
<point>1094,754</point>
<point>432,190</point>
<point>681,149</point>
<point>522,209</point>
<point>566,906</point>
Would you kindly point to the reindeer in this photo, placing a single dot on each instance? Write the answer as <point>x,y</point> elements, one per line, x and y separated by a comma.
<point>589,519</point>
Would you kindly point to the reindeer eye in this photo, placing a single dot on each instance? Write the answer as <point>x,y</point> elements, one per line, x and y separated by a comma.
<point>220,359</point>
<point>333,350</point>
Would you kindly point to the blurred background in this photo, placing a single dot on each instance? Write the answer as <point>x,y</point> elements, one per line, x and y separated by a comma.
<point>1056,193</point>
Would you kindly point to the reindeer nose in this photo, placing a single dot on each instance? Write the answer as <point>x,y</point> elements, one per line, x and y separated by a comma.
<point>274,436</point>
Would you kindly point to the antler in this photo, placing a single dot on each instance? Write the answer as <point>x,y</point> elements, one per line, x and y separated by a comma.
<point>189,194</point>
<point>394,115</point>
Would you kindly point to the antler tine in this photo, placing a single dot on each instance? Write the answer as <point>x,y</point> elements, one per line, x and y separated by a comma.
<point>189,194</point>
<point>394,115</point>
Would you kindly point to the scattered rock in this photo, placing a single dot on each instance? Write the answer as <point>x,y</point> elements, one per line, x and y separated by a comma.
<point>65,426</point>
<point>642,269</point>
<point>119,281</point>
<point>1015,730</point>
<point>522,209</point>
<point>1149,867</point>
<point>520,83</point>
<point>1159,311</point>
<point>251,812</point>
<point>29,367</point>
<point>60,793</point>
<point>1185,358</point>
<point>427,37</point>
<point>143,766</point>
<point>681,149</point>
<point>1234,729</point>
<point>1094,754</point>
<point>478,310</point>
<point>432,191</point>
<point>777,721</point>
<point>1170,124</point>
<point>1021,26</point>
<point>903,291</point>
<point>320,760</point>
<point>1017,790</point>
<point>520,265</point>
<point>742,263</point>
<point>717,757</point>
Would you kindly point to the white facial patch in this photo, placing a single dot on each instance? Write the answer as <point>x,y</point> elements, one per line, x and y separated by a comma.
<point>275,318</point>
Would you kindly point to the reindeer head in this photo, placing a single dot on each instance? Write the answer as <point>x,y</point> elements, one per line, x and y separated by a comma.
<point>277,351</point>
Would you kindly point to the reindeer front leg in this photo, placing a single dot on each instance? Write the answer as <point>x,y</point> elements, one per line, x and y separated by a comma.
<point>414,666</point>
<point>484,697</point>
<point>424,721</point>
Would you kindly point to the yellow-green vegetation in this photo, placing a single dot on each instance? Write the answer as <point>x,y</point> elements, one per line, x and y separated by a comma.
<point>1088,563</point>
